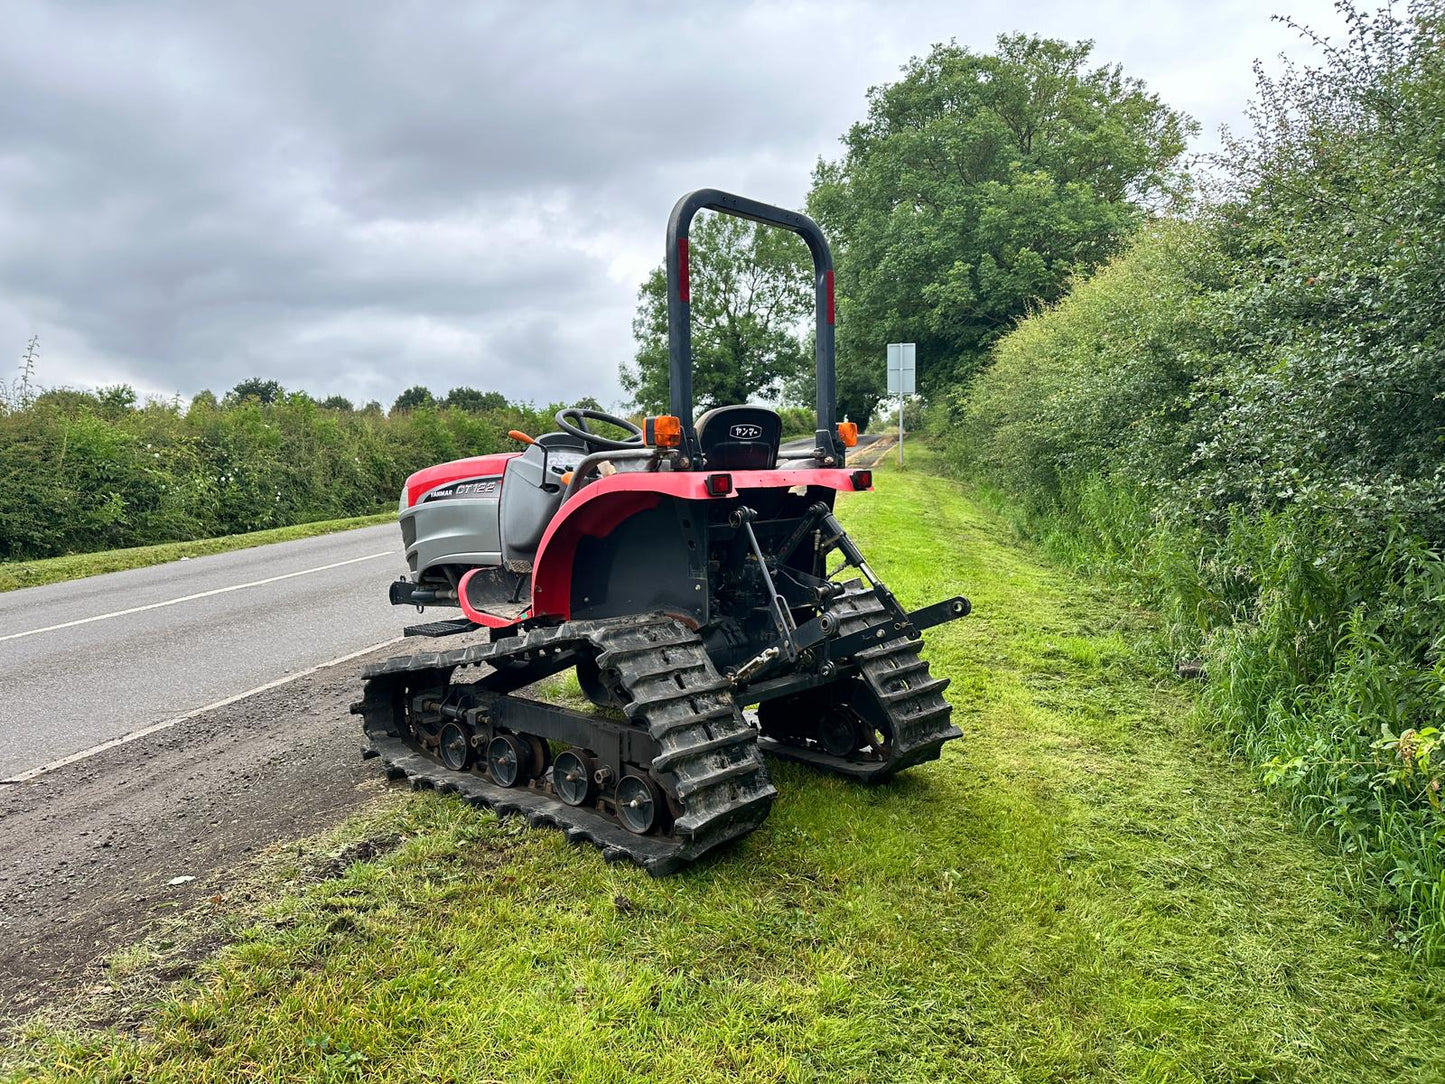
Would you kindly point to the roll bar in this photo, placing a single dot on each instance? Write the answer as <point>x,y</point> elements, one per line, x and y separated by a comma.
<point>679,306</point>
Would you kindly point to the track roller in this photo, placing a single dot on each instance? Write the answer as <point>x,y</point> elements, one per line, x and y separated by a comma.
<point>572,777</point>
<point>639,802</point>
<point>508,760</point>
<point>454,746</point>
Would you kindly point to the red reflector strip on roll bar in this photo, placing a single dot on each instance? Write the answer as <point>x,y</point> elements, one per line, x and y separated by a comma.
<point>828,275</point>
<point>684,287</point>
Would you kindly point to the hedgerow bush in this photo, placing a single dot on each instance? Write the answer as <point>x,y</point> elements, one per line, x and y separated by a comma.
<point>1245,413</point>
<point>81,472</point>
<point>798,421</point>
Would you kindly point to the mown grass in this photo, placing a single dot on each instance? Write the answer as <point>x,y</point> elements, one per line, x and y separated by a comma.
<point>75,566</point>
<point>1081,889</point>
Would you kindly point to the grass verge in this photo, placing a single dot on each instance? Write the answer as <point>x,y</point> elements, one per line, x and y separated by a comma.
<point>75,566</point>
<point>1084,888</point>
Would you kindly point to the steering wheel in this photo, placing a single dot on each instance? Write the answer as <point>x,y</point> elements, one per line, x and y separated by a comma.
<point>573,420</point>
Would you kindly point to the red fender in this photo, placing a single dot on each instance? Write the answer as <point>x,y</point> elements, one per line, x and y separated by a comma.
<point>597,510</point>
<point>481,617</point>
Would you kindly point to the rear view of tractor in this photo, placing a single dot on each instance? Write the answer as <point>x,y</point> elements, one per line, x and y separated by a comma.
<point>687,570</point>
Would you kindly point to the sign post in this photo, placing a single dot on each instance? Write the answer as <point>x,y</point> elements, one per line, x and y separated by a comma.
<point>901,369</point>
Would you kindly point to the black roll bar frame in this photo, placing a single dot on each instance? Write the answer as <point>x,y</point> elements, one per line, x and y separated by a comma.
<point>679,311</point>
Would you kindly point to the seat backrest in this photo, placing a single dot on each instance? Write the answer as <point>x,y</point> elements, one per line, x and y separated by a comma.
<point>532,488</point>
<point>740,437</point>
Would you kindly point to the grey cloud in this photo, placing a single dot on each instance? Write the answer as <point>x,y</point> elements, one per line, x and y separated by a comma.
<point>354,198</point>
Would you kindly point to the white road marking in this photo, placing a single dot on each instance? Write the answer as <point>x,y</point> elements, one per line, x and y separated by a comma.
<point>26,776</point>
<point>192,598</point>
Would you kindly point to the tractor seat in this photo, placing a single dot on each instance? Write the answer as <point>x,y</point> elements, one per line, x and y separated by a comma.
<point>740,437</point>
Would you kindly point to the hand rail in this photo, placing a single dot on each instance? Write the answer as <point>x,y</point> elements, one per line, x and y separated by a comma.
<point>579,472</point>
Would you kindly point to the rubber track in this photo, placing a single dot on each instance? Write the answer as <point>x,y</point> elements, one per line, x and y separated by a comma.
<point>708,757</point>
<point>898,676</point>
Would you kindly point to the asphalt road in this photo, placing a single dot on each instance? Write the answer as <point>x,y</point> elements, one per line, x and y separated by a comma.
<point>138,647</point>
<point>864,439</point>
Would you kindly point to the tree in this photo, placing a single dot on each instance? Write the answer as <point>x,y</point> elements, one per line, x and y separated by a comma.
<point>473,401</point>
<point>751,286</point>
<point>336,402</point>
<point>262,391</point>
<point>977,185</point>
<point>413,397</point>
<point>116,399</point>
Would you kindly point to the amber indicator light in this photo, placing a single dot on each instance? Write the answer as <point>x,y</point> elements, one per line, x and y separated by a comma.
<point>663,431</point>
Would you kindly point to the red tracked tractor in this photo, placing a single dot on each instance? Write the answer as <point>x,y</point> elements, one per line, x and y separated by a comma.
<point>684,572</point>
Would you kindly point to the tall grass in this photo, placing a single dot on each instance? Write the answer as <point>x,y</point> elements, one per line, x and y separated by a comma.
<point>1325,667</point>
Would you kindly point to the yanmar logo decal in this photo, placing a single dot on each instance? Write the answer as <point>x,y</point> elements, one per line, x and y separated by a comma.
<point>480,487</point>
<point>746,431</point>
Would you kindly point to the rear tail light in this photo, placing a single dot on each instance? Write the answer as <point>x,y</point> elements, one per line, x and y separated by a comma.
<point>663,431</point>
<point>862,479</point>
<point>719,485</point>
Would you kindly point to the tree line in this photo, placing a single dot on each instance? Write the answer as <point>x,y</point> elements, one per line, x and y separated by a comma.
<point>82,471</point>
<point>978,185</point>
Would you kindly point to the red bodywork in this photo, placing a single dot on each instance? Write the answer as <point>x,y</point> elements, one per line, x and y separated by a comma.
<point>597,510</point>
<point>478,466</point>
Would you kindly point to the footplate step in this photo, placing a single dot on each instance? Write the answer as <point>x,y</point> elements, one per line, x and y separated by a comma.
<point>441,628</point>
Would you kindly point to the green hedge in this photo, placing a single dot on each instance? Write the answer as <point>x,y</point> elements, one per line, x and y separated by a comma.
<point>1245,414</point>
<point>82,472</point>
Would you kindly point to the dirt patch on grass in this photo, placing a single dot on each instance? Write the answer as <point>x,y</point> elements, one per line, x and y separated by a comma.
<point>153,847</point>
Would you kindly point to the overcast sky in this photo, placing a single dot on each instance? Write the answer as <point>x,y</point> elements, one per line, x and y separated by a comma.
<point>354,198</point>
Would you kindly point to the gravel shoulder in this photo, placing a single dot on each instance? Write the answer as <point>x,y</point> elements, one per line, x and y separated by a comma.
<point>87,851</point>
